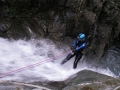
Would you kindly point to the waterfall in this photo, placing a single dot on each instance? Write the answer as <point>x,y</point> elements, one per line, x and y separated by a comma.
<point>15,55</point>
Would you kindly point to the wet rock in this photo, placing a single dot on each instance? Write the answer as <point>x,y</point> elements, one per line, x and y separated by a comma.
<point>91,81</point>
<point>109,12</point>
<point>3,30</point>
<point>98,42</point>
<point>87,88</point>
<point>83,80</point>
<point>8,85</point>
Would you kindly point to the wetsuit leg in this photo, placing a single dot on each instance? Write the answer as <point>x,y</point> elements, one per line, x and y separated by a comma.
<point>77,58</point>
<point>69,56</point>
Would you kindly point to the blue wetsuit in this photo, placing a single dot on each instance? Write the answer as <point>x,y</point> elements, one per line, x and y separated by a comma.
<point>77,49</point>
<point>79,45</point>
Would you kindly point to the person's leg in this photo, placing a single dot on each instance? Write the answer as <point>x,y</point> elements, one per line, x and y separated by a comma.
<point>78,57</point>
<point>69,56</point>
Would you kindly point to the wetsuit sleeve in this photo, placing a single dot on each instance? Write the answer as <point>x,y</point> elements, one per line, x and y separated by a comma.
<point>81,47</point>
<point>74,44</point>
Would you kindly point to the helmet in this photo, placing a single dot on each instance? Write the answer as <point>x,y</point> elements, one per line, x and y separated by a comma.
<point>81,36</point>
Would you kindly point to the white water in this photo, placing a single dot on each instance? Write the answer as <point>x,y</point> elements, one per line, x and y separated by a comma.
<point>18,54</point>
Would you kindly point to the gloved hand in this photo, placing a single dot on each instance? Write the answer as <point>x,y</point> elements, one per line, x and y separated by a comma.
<point>74,50</point>
<point>73,47</point>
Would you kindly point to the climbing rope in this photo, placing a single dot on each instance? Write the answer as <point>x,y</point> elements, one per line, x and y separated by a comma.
<point>32,65</point>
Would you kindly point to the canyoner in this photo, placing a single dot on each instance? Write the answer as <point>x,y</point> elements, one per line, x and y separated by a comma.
<point>76,50</point>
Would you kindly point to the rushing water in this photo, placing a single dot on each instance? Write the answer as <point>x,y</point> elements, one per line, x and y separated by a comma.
<point>17,58</point>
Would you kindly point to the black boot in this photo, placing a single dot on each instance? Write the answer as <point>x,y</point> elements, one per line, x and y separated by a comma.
<point>74,67</point>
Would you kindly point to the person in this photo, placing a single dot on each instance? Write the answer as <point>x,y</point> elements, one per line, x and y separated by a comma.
<point>77,50</point>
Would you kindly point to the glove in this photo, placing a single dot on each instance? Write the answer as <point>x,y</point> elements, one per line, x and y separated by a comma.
<point>74,50</point>
<point>73,47</point>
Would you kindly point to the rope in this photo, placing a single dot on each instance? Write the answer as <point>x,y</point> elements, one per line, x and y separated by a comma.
<point>32,65</point>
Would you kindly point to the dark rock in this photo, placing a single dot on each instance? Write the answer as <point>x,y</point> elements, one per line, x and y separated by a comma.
<point>109,12</point>
<point>3,30</point>
<point>88,80</point>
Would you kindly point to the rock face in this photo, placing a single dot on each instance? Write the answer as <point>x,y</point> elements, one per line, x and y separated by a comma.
<point>92,81</point>
<point>58,19</point>
<point>84,80</point>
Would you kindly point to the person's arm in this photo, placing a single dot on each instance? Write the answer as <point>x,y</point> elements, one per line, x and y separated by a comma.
<point>81,47</point>
<point>74,44</point>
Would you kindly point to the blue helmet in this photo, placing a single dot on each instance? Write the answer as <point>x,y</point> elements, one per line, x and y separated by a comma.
<point>81,36</point>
